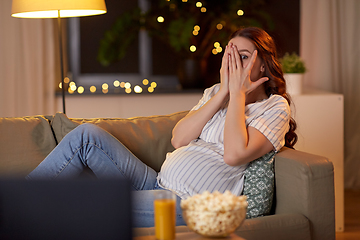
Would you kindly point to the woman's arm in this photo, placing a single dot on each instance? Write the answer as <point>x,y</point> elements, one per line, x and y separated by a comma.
<point>190,127</point>
<point>241,144</point>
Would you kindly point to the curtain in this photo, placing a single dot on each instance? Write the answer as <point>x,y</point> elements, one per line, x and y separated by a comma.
<point>329,44</point>
<point>27,64</point>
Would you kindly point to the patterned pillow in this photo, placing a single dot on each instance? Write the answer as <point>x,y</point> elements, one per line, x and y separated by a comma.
<point>259,185</point>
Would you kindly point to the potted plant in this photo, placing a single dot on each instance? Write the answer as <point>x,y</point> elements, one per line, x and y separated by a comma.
<point>193,29</point>
<point>294,68</point>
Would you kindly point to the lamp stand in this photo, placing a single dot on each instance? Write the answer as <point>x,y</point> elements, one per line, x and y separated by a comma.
<point>61,62</point>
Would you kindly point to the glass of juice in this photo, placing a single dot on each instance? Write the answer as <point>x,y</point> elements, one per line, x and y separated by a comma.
<point>164,214</point>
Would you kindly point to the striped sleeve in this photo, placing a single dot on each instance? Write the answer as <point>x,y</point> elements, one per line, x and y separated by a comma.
<point>208,93</point>
<point>274,123</point>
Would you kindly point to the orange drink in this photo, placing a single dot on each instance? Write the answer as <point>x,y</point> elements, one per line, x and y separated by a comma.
<point>164,215</point>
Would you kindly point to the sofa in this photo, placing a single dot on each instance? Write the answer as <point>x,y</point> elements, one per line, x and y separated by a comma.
<point>303,205</point>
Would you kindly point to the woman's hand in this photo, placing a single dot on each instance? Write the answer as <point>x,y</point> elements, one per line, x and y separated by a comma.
<point>240,72</point>
<point>224,72</point>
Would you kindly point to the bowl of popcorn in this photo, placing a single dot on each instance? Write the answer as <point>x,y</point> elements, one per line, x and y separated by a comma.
<point>214,214</point>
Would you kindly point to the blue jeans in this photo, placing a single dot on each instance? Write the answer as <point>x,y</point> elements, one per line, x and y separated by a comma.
<point>90,146</point>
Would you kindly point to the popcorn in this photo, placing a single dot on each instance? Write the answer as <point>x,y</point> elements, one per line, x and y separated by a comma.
<point>214,214</point>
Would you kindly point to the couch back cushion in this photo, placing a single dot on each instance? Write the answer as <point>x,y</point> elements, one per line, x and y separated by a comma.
<point>148,138</point>
<point>24,143</point>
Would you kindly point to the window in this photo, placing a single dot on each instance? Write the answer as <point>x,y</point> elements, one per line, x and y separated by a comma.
<point>147,58</point>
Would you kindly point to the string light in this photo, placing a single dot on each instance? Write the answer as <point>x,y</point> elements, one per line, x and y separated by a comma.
<point>92,89</point>
<point>80,90</point>
<point>138,89</point>
<point>160,19</point>
<point>116,83</point>
<point>145,82</point>
<point>240,12</point>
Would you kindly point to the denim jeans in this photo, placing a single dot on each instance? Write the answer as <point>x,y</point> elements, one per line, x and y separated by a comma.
<point>90,146</point>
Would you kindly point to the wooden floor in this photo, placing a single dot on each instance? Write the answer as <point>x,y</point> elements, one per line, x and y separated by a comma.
<point>352,216</point>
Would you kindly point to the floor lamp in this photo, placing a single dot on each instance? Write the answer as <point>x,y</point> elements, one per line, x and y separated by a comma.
<point>57,9</point>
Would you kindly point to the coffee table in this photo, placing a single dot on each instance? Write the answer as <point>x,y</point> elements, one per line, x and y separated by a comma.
<point>190,236</point>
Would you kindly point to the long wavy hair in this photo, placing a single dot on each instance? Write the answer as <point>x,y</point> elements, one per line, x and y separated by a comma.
<point>276,84</point>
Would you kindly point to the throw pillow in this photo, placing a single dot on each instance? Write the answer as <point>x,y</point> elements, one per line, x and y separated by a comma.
<point>259,185</point>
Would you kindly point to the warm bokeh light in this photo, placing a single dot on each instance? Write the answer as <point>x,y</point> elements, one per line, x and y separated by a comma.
<point>92,89</point>
<point>216,44</point>
<point>137,89</point>
<point>199,4</point>
<point>105,86</point>
<point>145,81</point>
<point>72,86</point>
<point>195,33</point>
<point>150,89</point>
<point>122,84</point>
<point>80,90</point>
<point>219,26</point>
<point>240,12</point>
<point>203,9</point>
<point>197,28</point>
<point>153,84</point>
<point>116,83</point>
<point>214,51</point>
<point>219,49</point>
<point>66,80</point>
<point>105,90</point>
<point>60,85</point>
<point>160,19</point>
<point>192,48</point>
<point>127,85</point>
<point>184,0</point>
<point>128,90</point>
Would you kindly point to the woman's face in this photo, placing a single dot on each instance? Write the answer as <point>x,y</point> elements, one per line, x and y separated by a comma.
<point>246,48</point>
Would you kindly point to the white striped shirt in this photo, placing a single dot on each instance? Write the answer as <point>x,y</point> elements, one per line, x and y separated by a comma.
<point>199,166</point>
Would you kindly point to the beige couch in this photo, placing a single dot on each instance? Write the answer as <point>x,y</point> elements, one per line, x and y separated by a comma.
<point>304,184</point>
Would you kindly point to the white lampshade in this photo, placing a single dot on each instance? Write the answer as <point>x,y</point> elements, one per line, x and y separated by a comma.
<point>50,8</point>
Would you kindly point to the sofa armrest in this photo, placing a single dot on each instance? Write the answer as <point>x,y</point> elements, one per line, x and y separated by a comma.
<point>305,184</point>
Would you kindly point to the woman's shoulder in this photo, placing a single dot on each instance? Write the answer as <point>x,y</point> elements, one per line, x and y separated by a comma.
<point>278,101</point>
<point>211,91</point>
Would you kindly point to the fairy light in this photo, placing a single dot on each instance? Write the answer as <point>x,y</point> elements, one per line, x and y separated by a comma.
<point>80,90</point>
<point>160,19</point>
<point>127,85</point>
<point>137,89</point>
<point>153,84</point>
<point>116,83</point>
<point>92,89</point>
<point>72,86</point>
<point>240,12</point>
<point>145,82</point>
<point>105,86</point>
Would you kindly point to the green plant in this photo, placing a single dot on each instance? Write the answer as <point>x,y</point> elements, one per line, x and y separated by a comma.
<point>189,27</point>
<point>292,63</point>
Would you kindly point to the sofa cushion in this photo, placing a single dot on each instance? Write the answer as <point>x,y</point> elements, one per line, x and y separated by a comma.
<point>24,143</point>
<point>148,138</point>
